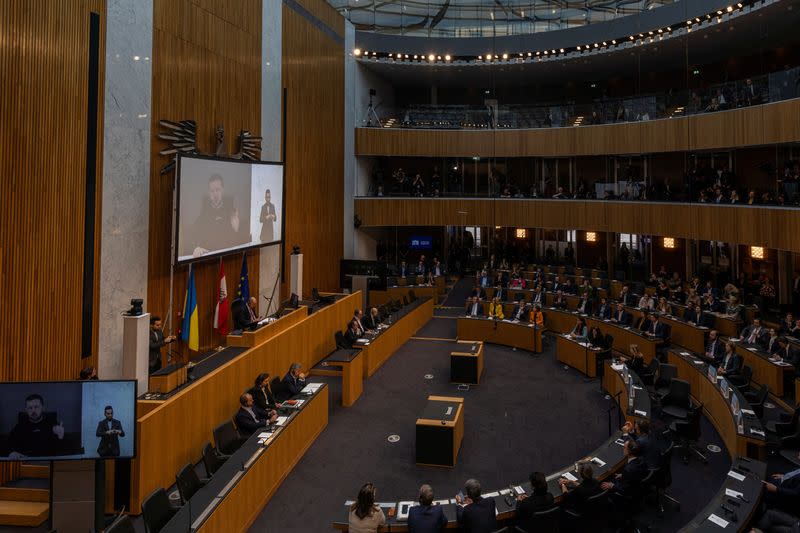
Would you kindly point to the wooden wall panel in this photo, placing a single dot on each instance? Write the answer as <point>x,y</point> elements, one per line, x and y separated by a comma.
<point>313,75</point>
<point>44,50</point>
<point>757,125</point>
<point>206,67</point>
<point>773,227</point>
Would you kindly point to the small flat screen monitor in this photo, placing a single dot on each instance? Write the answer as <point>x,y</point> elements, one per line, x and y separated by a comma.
<point>63,420</point>
<point>421,242</point>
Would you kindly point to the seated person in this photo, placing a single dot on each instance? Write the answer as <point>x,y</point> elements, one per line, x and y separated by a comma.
<point>782,491</point>
<point>770,342</point>
<point>596,338</point>
<point>518,282</point>
<point>365,515</point>
<point>663,307</point>
<point>478,292</point>
<point>521,311</point>
<point>351,335</point>
<point>496,309</point>
<point>403,270</point>
<point>635,360</point>
<point>537,317</point>
<point>37,433</point>
<point>628,482</point>
<point>787,352</point>
<point>754,333</point>
<point>250,418</point>
<point>358,315</point>
<point>604,310</point>
<point>569,288</point>
<point>557,284</point>
<point>560,301</point>
<point>474,307</point>
<point>500,293</point>
<point>648,446</point>
<point>695,316</point>
<point>714,348</point>
<point>538,296</point>
<point>579,332</point>
<point>584,305</point>
<point>625,296</point>
<point>372,321</point>
<point>731,361</point>
<point>575,494</point>
<point>657,328</point>
<point>777,521</point>
<point>733,309</point>
<point>294,380</point>
<point>787,325</point>
<point>540,499</point>
<point>620,316</point>
<point>646,302</point>
<point>662,291</point>
<point>475,514</point>
<point>426,517</point>
<point>692,298</point>
<point>262,394</point>
<point>645,322</point>
<point>710,303</point>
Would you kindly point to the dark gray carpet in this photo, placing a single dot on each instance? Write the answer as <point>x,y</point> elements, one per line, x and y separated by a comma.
<point>438,328</point>
<point>458,294</point>
<point>528,413</point>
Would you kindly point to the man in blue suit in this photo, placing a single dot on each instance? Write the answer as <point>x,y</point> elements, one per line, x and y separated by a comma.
<point>474,513</point>
<point>620,316</point>
<point>426,517</point>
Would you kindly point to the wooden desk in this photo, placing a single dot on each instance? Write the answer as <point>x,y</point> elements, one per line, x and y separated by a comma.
<point>467,366</point>
<point>168,381</point>
<point>515,334</point>
<point>351,364</point>
<point>579,356</point>
<point>251,338</point>
<point>383,346</point>
<point>439,434</point>
<point>396,293</point>
<point>693,338</point>
<point>614,384</point>
<point>172,434</point>
<point>718,408</point>
<point>765,372</point>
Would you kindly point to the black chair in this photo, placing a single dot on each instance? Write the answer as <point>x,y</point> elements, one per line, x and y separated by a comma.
<point>547,521</point>
<point>687,433</point>
<point>156,511</point>
<point>317,297</point>
<point>595,516</point>
<point>188,482</point>
<point>791,456</point>
<point>405,300</point>
<point>666,373</point>
<point>676,403</point>
<point>123,524</point>
<point>341,341</point>
<point>212,460</point>
<point>412,296</point>
<point>741,379</point>
<point>757,399</point>
<point>785,425</point>
<point>226,438</point>
<point>648,375</point>
<point>663,479</point>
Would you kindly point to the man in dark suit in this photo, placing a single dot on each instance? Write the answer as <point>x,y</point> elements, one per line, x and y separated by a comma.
<point>754,333</point>
<point>788,353</point>
<point>575,494</point>
<point>731,361</point>
<point>244,313</point>
<point>372,321</point>
<point>604,311</point>
<point>474,307</point>
<point>478,292</point>
<point>782,491</point>
<point>620,316</point>
<point>657,328</point>
<point>109,430</point>
<point>474,513</point>
<point>539,500</point>
<point>250,417</point>
<point>644,323</point>
<point>625,296</point>
<point>585,305</point>
<point>294,381</point>
<point>403,269</point>
<point>648,446</point>
<point>157,340</point>
<point>521,311</point>
<point>426,517</point>
<point>628,482</point>
<point>714,348</point>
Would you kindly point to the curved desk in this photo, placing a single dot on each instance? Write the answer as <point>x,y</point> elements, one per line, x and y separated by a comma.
<point>765,371</point>
<point>746,440</point>
<point>687,335</point>
<point>396,293</point>
<point>522,335</point>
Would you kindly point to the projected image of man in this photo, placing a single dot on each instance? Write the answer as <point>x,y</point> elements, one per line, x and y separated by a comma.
<point>217,226</point>
<point>37,433</point>
<point>109,430</point>
<point>268,218</point>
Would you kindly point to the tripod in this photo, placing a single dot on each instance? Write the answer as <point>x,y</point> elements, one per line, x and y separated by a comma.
<point>371,113</point>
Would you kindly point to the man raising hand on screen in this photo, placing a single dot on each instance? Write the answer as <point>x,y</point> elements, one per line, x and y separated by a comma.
<point>217,226</point>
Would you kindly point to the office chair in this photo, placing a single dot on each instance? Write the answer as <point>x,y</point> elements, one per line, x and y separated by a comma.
<point>227,438</point>
<point>188,482</point>
<point>123,524</point>
<point>547,521</point>
<point>405,300</point>
<point>317,297</point>
<point>785,425</point>
<point>741,379</point>
<point>648,375</point>
<point>663,479</point>
<point>595,516</point>
<point>687,433</point>
<point>341,341</point>
<point>666,373</point>
<point>412,296</point>
<point>212,460</point>
<point>757,399</point>
<point>676,403</point>
<point>156,511</point>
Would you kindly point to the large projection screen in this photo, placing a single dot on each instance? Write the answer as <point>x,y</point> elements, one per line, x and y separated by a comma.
<point>226,205</point>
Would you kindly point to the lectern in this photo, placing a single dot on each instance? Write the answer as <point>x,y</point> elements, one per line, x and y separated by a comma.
<point>440,429</point>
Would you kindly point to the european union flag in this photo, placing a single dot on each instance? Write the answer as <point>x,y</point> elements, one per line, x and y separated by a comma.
<point>243,291</point>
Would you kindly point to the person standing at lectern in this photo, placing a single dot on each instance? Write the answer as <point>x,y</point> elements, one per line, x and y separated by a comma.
<point>157,340</point>
<point>268,218</point>
<point>109,430</point>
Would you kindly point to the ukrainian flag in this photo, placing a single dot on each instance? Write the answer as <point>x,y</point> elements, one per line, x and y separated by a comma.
<point>191,329</point>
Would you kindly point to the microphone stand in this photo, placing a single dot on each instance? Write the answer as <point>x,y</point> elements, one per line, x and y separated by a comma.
<point>614,405</point>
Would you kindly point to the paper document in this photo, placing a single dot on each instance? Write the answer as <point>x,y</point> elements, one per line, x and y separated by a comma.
<point>733,493</point>
<point>281,420</point>
<point>264,435</point>
<point>736,475</point>
<point>441,502</point>
<point>748,411</point>
<point>599,462</point>
<point>697,362</point>
<point>519,490</point>
<point>620,442</point>
<point>569,476</point>
<point>687,354</point>
<point>719,521</point>
<point>755,431</point>
<point>491,494</point>
<point>639,412</point>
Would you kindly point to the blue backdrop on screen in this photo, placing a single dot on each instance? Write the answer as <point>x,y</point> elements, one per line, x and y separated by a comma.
<point>96,396</point>
<point>421,242</point>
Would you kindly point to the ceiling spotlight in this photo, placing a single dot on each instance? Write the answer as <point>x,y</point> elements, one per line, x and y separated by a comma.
<point>613,41</point>
<point>390,54</point>
<point>447,57</point>
<point>669,28</point>
<point>374,53</point>
<point>605,43</point>
<point>529,54</point>
<point>406,56</point>
<point>729,9</point>
<point>562,50</point>
<point>688,22</point>
<point>631,37</point>
<point>739,5</point>
<point>415,56</point>
<point>488,57</point>
<point>719,12</point>
<point>553,51</point>
<point>431,57</point>
<point>537,53</point>
<point>545,52</point>
<point>578,48</point>
<point>596,45</point>
<point>660,30</point>
<point>505,56</point>
<point>357,52</point>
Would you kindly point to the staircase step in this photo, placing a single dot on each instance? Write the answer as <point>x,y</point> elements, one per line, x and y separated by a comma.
<point>38,471</point>
<point>17,494</point>
<point>31,514</point>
